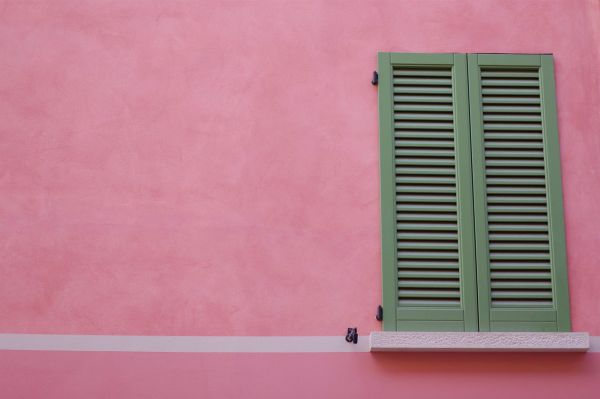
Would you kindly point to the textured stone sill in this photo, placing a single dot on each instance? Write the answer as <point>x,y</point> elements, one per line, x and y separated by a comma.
<point>479,342</point>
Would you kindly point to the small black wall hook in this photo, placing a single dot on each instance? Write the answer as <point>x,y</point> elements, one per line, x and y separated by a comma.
<point>352,335</point>
<point>379,315</point>
<point>375,80</point>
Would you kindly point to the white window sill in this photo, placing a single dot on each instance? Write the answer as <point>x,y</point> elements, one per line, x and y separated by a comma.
<point>384,341</point>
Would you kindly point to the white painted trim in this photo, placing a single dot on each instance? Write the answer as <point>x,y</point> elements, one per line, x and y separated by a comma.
<point>132,343</point>
<point>594,343</point>
<point>206,344</point>
<point>387,341</point>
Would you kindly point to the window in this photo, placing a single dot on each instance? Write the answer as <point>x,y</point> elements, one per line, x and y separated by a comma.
<point>472,220</point>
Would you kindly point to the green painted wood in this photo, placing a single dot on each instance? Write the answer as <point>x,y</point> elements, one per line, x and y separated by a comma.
<point>400,99</point>
<point>431,235</point>
<point>427,226</point>
<point>521,262</point>
<point>512,118</point>
<point>424,81</point>
<point>490,109</point>
<point>519,172</point>
<point>433,125</point>
<point>427,216</point>
<point>513,315</point>
<point>500,274</point>
<point>432,61</point>
<point>388,205</point>
<point>523,265</point>
<point>428,325</point>
<point>516,190</point>
<point>511,100</point>
<point>423,107</point>
<point>407,256</point>
<point>427,171</point>
<point>532,304</point>
<point>517,237</point>
<point>507,61</point>
<point>514,83</point>
<point>521,294</point>
<point>518,285</point>
<point>424,180</point>
<point>406,116</point>
<point>554,186</point>
<point>524,326</point>
<point>440,245</point>
<point>416,314</point>
<point>421,72</point>
<point>429,264</point>
<point>513,126</point>
<point>430,192</point>
<point>427,274</point>
<point>406,284</point>
<point>479,193</point>
<point>500,74</point>
<point>426,190</point>
<point>408,134</point>
<point>465,194</point>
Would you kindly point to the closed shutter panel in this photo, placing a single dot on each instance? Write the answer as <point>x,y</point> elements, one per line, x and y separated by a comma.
<point>521,263</point>
<point>428,243</point>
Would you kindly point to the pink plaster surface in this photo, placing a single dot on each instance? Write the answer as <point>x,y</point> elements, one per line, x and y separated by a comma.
<point>211,167</point>
<point>66,375</point>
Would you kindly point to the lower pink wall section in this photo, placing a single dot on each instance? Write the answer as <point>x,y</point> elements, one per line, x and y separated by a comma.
<point>70,375</point>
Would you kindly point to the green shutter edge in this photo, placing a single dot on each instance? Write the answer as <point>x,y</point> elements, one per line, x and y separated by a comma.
<point>388,201</point>
<point>464,191</point>
<point>558,252</point>
<point>479,195</point>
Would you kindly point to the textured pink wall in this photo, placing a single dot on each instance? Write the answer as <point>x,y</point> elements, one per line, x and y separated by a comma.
<point>66,375</point>
<point>211,168</point>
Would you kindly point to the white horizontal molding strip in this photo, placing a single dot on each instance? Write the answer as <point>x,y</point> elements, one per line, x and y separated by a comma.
<point>223,344</point>
<point>207,344</point>
<point>480,341</point>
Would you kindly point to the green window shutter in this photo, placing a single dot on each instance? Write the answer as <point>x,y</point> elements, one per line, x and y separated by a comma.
<point>519,228</point>
<point>428,249</point>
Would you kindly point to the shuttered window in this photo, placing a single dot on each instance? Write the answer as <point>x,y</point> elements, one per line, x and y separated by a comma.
<point>472,226</point>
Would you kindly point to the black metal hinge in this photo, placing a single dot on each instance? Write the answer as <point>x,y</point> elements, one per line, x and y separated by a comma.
<point>352,335</point>
<point>379,315</point>
<point>375,80</point>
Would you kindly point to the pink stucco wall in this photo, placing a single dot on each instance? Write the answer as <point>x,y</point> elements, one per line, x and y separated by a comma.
<point>211,168</point>
<point>60,375</point>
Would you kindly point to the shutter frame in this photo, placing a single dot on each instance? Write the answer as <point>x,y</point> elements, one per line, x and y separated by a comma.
<point>555,196</point>
<point>388,202</point>
<point>426,318</point>
<point>532,319</point>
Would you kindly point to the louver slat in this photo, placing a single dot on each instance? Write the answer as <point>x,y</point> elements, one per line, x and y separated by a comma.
<point>423,108</point>
<point>520,250</point>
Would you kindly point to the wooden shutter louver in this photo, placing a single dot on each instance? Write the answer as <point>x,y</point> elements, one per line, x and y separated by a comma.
<point>519,248</point>
<point>429,228</point>
<point>520,244</point>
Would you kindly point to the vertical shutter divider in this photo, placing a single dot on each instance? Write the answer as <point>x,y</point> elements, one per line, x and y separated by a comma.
<point>479,200</point>
<point>464,198</point>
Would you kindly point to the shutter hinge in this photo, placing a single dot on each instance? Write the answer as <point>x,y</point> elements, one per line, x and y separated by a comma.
<point>379,315</point>
<point>375,80</point>
<point>352,335</point>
